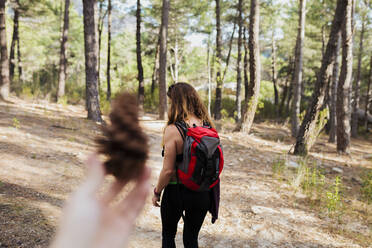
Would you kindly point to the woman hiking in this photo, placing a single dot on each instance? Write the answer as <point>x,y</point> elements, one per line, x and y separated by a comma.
<point>186,108</point>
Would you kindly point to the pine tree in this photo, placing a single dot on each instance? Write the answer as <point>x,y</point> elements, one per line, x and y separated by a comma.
<point>4,61</point>
<point>141,87</point>
<point>90,43</point>
<point>218,102</point>
<point>306,135</point>
<point>254,69</point>
<point>63,58</point>
<point>343,89</point>
<point>163,60</point>
<point>297,79</point>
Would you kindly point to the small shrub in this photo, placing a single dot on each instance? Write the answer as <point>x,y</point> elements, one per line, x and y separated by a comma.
<point>366,189</point>
<point>334,197</point>
<point>224,114</point>
<point>151,104</point>
<point>63,100</point>
<point>16,123</point>
<point>104,104</point>
<point>75,93</point>
<point>278,167</point>
<point>26,92</point>
<point>313,182</point>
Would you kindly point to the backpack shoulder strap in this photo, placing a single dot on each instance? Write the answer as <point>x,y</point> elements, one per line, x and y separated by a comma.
<point>182,128</point>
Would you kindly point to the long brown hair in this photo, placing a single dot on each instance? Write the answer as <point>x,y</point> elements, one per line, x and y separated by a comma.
<point>185,101</point>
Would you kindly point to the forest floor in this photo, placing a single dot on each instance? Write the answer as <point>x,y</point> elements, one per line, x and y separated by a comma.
<point>43,147</point>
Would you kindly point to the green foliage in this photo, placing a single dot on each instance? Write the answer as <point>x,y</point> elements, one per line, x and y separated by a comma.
<point>151,104</point>
<point>366,189</point>
<point>228,106</point>
<point>16,123</point>
<point>265,106</point>
<point>75,93</point>
<point>63,100</point>
<point>104,104</point>
<point>25,92</point>
<point>334,202</point>
<point>278,167</point>
<point>224,113</point>
<point>313,181</point>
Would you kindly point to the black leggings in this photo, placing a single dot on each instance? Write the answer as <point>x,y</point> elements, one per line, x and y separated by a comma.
<point>195,204</point>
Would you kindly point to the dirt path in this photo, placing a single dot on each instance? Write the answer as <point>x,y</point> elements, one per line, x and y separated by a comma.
<point>43,145</point>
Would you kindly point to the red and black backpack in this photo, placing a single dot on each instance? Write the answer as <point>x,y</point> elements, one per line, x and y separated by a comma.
<point>202,157</point>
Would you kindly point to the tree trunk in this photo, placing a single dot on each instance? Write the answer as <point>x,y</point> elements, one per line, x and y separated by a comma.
<point>108,73</point>
<point>335,75</point>
<point>90,45</point>
<point>4,63</point>
<point>305,137</point>
<point>19,62</point>
<point>297,79</point>
<point>246,85</point>
<point>171,68</point>
<point>62,56</point>
<point>141,86</point>
<point>284,96</point>
<point>354,120</point>
<point>238,102</point>
<point>367,95</point>
<point>101,18</point>
<point>176,60</point>
<point>343,89</point>
<point>163,60</point>
<point>155,72</point>
<point>254,69</point>
<point>273,69</point>
<point>209,74</point>
<point>218,101</point>
<point>323,39</point>
<point>229,53</point>
<point>287,89</point>
<point>13,44</point>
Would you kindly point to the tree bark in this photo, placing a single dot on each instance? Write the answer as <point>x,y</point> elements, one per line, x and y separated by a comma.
<point>238,101</point>
<point>297,79</point>
<point>90,45</point>
<point>62,56</point>
<point>323,39</point>
<point>19,62</point>
<point>254,69</point>
<point>245,68</point>
<point>209,75</point>
<point>4,63</point>
<point>141,86</point>
<point>354,120</point>
<point>305,137</point>
<point>218,101</point>
<point>287,88</point>
<point>333,100</point>
<point>163,60</point>
<point>367,95</point>
<point>101,18</point>
<point>273,69</point>
<point>155,72</point>
<point>228,53</point>
<point>174,67</point>
<point>343,89</point>
<point>14,41</point>
<point>108,72</point>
